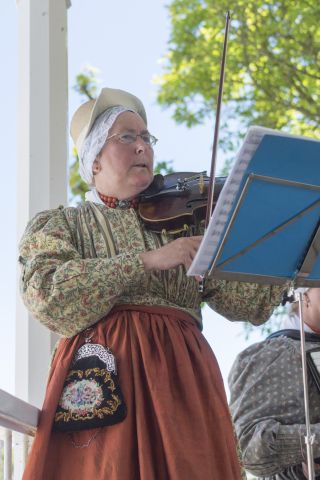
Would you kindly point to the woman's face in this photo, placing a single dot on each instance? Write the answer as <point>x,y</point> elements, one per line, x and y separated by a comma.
<point>313,299</point>
<point>124,170</point>
<point>311,308</point>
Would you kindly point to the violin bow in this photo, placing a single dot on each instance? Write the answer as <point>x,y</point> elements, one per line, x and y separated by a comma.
<point>217,123</point>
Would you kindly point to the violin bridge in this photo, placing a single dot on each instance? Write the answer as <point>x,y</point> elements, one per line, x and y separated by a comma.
<point>201,184</point>
<point>201,286</point>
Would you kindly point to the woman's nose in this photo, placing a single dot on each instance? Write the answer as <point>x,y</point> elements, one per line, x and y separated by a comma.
<point>140,147</point>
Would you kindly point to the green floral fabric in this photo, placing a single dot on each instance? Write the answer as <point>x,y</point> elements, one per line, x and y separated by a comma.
<point>78,262</point>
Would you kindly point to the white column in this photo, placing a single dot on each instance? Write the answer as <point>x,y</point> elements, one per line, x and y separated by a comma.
<point>42,160</point>
<point>42,171</point>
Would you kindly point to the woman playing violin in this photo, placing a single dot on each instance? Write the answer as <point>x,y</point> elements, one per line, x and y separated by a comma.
<point>97,276</point>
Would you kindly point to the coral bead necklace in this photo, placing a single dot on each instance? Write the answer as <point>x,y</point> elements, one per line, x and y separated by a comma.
<point>113,202</point>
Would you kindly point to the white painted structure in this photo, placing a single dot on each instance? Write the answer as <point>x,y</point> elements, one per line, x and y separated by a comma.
<point>17,415</point>
<point>42,159</point>
<point>42,184</point>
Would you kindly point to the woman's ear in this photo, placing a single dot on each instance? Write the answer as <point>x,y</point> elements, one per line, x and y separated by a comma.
<point>307,299</point>
<point>96,167</point>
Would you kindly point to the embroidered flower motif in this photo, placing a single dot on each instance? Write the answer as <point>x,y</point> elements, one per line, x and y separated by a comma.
<point>81,396</point>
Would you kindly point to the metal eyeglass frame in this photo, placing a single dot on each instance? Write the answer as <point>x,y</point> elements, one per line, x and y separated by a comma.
<point>153,139</point>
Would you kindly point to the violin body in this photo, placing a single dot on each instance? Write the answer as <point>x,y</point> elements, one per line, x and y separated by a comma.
<point>177,202</point>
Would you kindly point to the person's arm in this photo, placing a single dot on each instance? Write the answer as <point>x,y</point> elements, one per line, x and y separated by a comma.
<point>267,407</point>
<point>241,301</point>
<point>64,291</point>
<point>273,447</point>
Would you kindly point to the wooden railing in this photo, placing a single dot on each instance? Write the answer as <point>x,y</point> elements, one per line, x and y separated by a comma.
<point>16,416</point>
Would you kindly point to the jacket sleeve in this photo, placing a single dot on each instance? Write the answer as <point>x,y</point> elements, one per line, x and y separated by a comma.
<point>266,402</point>
<point>241,301</point>
<point>61,289</point>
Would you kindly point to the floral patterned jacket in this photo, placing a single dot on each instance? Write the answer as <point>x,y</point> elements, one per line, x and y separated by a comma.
<point>78,262</point>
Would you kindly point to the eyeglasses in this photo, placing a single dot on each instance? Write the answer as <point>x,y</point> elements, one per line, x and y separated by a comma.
<point>130,137</point>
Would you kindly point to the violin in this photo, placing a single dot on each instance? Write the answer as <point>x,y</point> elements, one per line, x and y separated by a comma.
<point>177,202</point>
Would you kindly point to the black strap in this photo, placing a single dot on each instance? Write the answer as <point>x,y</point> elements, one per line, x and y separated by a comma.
<point>295,335</point>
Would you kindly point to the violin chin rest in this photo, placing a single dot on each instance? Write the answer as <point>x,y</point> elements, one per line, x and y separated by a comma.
<point>156,186</point>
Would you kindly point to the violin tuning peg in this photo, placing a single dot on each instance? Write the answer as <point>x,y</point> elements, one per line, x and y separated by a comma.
<point>201,184</point>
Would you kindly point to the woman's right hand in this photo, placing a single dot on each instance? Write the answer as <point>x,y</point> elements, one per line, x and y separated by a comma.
<point>178,252</point>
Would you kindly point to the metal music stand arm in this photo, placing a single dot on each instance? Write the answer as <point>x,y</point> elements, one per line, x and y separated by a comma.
<point>309,438</point>
<point>304,271</point>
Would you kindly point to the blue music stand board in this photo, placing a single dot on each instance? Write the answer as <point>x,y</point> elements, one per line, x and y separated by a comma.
<point>265,226</point>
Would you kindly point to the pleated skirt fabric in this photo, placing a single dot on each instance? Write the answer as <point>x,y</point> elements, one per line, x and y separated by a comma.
<point>178,424</point>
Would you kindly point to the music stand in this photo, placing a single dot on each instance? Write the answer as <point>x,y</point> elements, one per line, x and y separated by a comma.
<point>265,227</point>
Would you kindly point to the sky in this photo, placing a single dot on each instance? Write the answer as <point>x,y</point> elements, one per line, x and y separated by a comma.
<point>126,41</point>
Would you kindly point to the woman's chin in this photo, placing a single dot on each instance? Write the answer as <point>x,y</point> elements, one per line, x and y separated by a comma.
<point>132,186</point>
<point>142,183</point>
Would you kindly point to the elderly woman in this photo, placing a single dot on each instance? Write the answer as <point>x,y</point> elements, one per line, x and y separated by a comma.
<point>111,288</point>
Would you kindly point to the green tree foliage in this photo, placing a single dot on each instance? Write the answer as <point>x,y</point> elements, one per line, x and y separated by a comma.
<point>77,186</point>
<point>272,72</point>
<point>164,167</point>
<point>86,82</point>
<point>86,86</point>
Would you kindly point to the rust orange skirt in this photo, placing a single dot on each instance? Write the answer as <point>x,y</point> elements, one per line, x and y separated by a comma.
<point>178,424</point>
